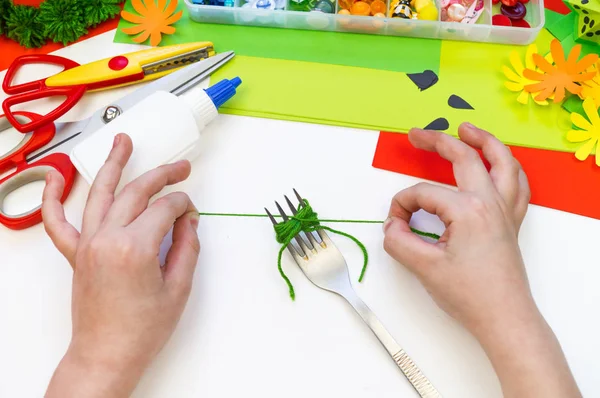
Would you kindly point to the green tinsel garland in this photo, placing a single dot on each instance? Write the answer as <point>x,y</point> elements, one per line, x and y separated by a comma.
<point>23,26</point>
<point>98,11</point>
<point>62,21</point>
<point>4,5</point>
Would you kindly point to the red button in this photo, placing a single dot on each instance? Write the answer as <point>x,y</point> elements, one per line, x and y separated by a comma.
<point>501,20</point>
<point>118,63</point>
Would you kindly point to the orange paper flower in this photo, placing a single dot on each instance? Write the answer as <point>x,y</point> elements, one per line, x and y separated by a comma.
<point>153,20</point>
<point>563,74</point>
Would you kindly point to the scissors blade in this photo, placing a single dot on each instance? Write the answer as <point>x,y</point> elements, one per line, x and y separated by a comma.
<point>176,83</point>
<point>67,136</point>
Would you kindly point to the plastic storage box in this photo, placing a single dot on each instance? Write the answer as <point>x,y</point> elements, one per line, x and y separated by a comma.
<point>482,31</point>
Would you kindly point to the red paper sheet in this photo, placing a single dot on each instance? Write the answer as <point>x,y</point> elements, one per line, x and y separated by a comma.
<point>557,6</point>
<point>557,179</point>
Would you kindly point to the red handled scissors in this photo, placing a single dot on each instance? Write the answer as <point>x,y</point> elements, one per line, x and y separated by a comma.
<point>75,79</point>
<point>48,145</point>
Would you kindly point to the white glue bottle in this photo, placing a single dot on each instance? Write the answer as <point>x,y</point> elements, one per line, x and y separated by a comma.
<point>163,127</point>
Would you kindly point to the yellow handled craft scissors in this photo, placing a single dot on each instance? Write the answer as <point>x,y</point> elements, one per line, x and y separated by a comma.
<point>47,147</point>
<point>76,79</point>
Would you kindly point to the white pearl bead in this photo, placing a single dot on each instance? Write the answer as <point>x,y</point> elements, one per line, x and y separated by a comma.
<point>456,12</point>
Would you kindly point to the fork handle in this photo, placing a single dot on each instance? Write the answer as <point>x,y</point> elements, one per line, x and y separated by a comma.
<point>414,375</point>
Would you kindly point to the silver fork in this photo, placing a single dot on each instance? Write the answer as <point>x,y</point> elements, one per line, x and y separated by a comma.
<point>323,264</point>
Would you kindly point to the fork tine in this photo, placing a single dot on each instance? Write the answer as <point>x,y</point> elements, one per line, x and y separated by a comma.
<point>299,197</point>
<point>289,203</point>
<point>297,238</point>
<point>271,216</point>
<point>321,233</point>
<point>309,236</point>
<point>283,215</point>
<point>293,251</point>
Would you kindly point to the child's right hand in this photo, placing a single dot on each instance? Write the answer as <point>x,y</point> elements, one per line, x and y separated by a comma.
<point>475,272</point>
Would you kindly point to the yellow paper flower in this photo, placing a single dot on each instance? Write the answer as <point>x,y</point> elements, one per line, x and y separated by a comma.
<point>589,133</point>
<point>591,88</point>
<point>153,20</point>
<point>516,81</point>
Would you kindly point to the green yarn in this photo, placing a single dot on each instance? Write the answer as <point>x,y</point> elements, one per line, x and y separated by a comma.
<point>416,231</point>
<point>307,220</point>
<point>425,234</point>
<point>97,11</point>
<point>63,20</point>
<point>24,27</point>
<point>265,216</point>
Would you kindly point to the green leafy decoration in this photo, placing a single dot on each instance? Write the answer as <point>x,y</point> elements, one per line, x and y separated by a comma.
<point>63,19</point>
<point>5,8</point>
<point>23,26</point>
<point>98,11</point>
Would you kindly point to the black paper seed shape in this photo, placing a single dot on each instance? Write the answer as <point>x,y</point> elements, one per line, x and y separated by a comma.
<point>458,103</point>
<point>423,80</point>
<point>439,124</point>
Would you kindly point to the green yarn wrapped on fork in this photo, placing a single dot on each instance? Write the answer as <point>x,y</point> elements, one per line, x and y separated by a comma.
<point>306,220</point>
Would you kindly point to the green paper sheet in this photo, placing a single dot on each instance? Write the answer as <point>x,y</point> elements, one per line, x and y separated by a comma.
<point>551,17</point>
<point>574,104</point>
<point>385,100</point>
<point>320,87</point>
<point>586,47</point>
<point>563,27</point>
<point>368,51</point>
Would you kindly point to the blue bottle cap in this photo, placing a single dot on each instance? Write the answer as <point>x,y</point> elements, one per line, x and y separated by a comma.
<point>223,90</point>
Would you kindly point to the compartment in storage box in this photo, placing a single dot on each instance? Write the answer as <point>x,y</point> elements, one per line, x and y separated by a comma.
<point>280,14</point>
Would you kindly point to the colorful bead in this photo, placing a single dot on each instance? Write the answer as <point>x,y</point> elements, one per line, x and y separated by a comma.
<point>457,12</point>
<point>518,11</point>
<point>520,23</point>
<point>419,4</point>
<point>501,20</point>
<point>402,10</point>
<point>360,8</point>
<point>377,7</point>
<point>345,4</point>
<point>428,13</point>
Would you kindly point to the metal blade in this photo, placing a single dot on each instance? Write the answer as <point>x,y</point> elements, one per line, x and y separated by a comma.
<point>178,61</point>
<point>212,64</point>
<point>67,136</point>
<point>177,83</point>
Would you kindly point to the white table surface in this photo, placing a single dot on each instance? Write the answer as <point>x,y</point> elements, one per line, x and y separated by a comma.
<point>240,334</point>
